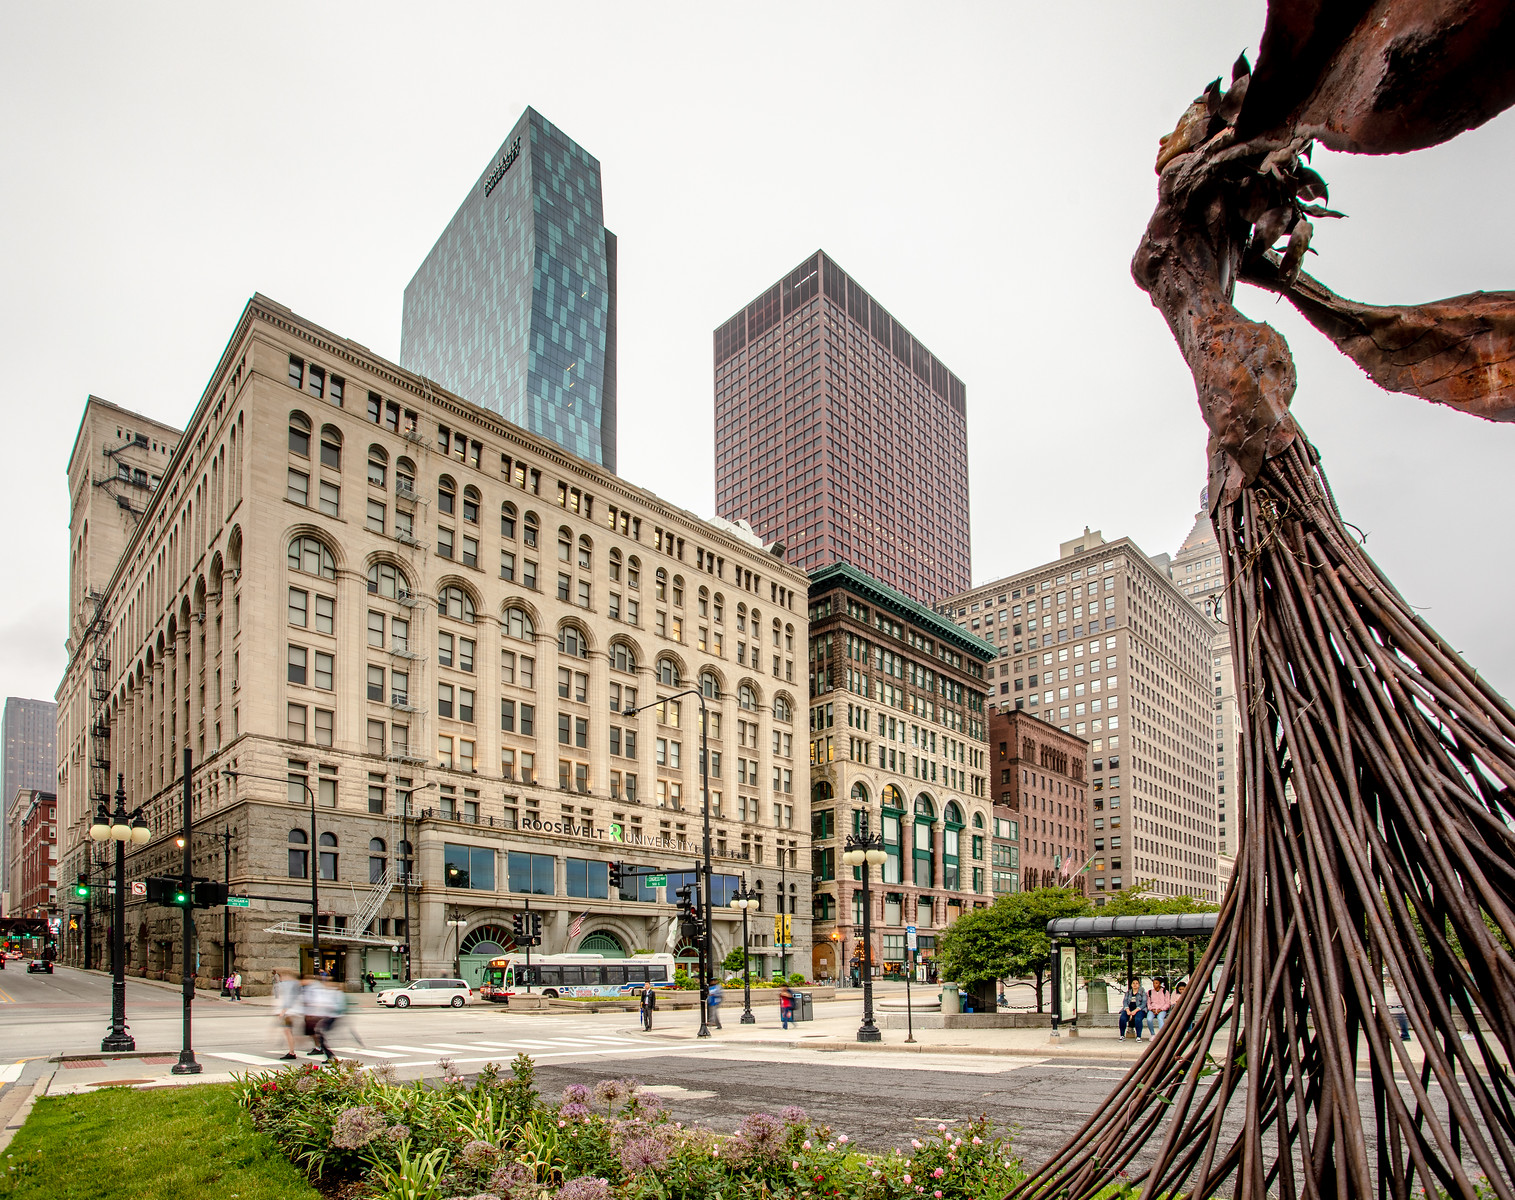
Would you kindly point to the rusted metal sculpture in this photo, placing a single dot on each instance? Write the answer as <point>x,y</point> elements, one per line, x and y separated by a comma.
<point>1379,769</point>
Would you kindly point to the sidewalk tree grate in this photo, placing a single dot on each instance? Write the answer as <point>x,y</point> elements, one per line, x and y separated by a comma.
<point>85,1062</point>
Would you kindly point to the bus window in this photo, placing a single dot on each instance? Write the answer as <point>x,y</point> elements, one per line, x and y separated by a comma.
<point>614,976</point>
<point>571,976</point>
<point>658,974</point>
<point>636,974</point>
<point>549,975</point>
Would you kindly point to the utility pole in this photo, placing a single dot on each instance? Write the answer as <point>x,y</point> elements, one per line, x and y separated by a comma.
<point>187,1064</point>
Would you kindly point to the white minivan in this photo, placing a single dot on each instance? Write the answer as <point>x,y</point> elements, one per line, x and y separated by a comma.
<point>455,992</point>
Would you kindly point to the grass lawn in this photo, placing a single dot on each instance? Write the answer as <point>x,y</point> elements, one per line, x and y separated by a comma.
<point>178,1143</point>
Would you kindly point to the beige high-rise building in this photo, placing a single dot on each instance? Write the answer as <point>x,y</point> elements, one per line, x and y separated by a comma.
<point>370,598</point>
<point>1102,644</point>
<point>1197,572</point>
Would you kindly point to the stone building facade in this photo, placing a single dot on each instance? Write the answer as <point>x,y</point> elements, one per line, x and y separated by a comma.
<point>897,734</point>
<point>356,594</point>
<point>1041,782</point>
<point>1101,643</point>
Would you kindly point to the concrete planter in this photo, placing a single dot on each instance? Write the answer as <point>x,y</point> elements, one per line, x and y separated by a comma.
<point>948,1020</point>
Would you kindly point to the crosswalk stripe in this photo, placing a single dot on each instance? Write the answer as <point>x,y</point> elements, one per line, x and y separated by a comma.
<point>11,1072</point>
<point>526,1042</point>
<point>614,1041</point>
<point>572,1042</point>
<point>453,1046</point>
<point>500,1045</point>
<point>426,1050</point>
<point>252,1060</point>
<point>366,1050</point>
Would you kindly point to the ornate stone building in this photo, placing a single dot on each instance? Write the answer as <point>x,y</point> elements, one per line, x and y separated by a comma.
<point>370,598</point>
<point>897,732</point>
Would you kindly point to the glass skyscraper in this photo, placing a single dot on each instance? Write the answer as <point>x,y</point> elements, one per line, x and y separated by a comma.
<point>514,308</point>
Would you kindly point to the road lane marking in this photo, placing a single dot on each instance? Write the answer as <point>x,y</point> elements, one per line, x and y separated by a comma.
<point>6,997</point>
<point>251,1060</point>
<point>11,1072</point>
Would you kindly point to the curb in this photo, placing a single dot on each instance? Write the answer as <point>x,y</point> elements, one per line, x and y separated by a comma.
<point>39,1088</point>
<point>165,985</point>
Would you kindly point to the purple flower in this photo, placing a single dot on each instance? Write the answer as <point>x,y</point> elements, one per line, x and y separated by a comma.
<point>576,1093</point>
<point>514,1181</point>
<point>586,1187</point>
<point>643,1154</point>
<point>397,1132</point>
<point>354,1128</point>
<point>477,1155</point>
<point>762,1134</point>
<point>794,1114</point>
<point>575,1112</point>
<point>650,1104</point>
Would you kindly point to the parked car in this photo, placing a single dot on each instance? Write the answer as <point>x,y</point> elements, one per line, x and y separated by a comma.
<point>40,964</point>
<point>455,992</point>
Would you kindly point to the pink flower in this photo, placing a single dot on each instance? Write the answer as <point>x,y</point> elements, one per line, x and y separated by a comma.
<point>795,1164</point>
<point>842,1138</point>
<point>941,1129</point>
<point>908,1179</point>
<point>978,1141</point>
<point>938,1173</point>
<point>915,1143</point>
<point>805,1145</point>
<point>937,1194</point>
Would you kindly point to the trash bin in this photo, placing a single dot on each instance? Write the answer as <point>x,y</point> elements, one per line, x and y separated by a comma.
<point>951,1000</point>
<point>804,1009</point>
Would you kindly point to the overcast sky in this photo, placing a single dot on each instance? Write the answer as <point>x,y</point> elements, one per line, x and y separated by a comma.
<point>985,170</point>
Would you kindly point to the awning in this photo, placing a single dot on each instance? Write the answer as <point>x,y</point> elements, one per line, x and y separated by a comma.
<point>1182,925</point>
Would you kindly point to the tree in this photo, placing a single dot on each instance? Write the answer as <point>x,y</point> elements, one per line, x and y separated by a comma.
<point>1009,938</point>
<point>734,961</point>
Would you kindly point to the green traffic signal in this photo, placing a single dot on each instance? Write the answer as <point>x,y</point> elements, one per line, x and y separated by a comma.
<point>81,890</point>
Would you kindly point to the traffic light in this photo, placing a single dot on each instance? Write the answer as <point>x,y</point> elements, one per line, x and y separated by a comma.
<point>81,887</point>
<point>535,926</point>
<point>210,895</point>
<point>616,876</point>
<point>518,925</point>
<point>689,920</point>
<point>167,891</point>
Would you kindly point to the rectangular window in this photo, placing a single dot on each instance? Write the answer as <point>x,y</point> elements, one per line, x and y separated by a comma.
<point>324,671</point>
<point>376,516</point>
<point>299,604</point>
<point>326,787</point>
<point>444,649</point>
<point>587,878</point>
<point>444,699</point>
<point>376,737</point>
<point>294,726</point>
<point>470,551</point>
<point>469,867</point>
<point>326,614</point>
<point>298,487</point>
<point>297,662</point>
<point>507,566</point>
<point>324,721</point>
<point>444,542</point>
<point>465,705</point>
<point>531,873</point>
<point>331,496</point>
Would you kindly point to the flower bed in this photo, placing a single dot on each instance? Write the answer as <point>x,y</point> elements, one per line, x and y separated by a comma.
<point>358,1133</point>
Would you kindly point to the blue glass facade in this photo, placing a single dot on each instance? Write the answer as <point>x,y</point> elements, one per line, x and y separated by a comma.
<point>514,308</point>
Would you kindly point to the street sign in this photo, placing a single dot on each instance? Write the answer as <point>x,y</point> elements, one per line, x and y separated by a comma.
<point>237,902</point>
<point>139,887</point>
<point>910,939</point>
<point>657,881</point>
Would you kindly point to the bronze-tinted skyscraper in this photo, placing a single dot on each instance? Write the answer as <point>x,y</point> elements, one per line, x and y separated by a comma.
<point>841,435</point>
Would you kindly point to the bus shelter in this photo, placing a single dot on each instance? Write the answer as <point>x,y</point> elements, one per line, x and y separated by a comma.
<point>1067,932</point>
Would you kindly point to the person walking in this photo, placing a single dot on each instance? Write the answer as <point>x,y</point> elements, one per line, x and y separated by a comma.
<point>235,985</point>
<point>1133,1010</point>
<point>1159,1001</point>
<point>649,1002</point>
<point>713,1004</point>
<point>786,1006</point>
<point>287,1007</point>
<point>323,1001</point>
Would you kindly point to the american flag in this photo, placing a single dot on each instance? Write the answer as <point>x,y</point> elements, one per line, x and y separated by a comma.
<point>577,925</point>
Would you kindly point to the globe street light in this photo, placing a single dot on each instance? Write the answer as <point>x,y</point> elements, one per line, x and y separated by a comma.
<point>866,850</point>
<point>744,900</point>
<point>120,827</point>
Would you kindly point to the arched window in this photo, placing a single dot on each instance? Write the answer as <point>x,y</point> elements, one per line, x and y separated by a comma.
<point>708,686</point>
<point>660,585</point>
<point>978,820</point>
<point>378,466</point>
<point>447,495</point>
<point>893,798</point>
<point>331,447</point>
<point>387,580</point>
<point>668,672</point>
<point>378,862</point>
<point>951,846</point>
<point>405,477</point>
<point>789,638</point>
<point>453,601</point>
<point>746,697</point>
<point>518,624</point>
<point>565,544</point>
<point>623,658</point>
<point>775,634</point>
<point>860,792</point>
<point>299,855</point>
<point>311,556</point>
<point>741,618</point>
<point>678,591</point>
<point>781,709</point>
<point>953,815</point>
<point>530,534</point>
<point>328,839</point>
<point>299,434</point>
<point>924,807</point>
<point>719,609</point>
<point>508,520</point>
<point>471,505</point>
<point>586,553</point>
<point>633,572</point>
<point>328,856</point>
<point>822,791</point>
<point>704,601</point>
<point>615,566</point>
<point>571,642</point>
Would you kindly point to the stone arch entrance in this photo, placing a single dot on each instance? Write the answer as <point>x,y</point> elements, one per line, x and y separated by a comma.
<point>602,941</point>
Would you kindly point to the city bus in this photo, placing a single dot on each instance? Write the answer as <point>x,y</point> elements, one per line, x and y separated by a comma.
<point>589,975</point>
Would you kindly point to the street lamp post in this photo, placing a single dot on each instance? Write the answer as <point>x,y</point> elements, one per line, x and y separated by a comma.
<point>119,827</point>
<point>745,900</point>
<point>707,947</point>
<point>866,850</point>
<point>315,861</point>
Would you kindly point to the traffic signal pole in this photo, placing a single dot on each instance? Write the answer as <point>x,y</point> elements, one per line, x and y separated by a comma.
<point>187,1064</point>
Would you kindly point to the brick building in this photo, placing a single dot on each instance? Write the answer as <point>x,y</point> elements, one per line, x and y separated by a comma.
<point>38,894</point>
<point>1041,781</point>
